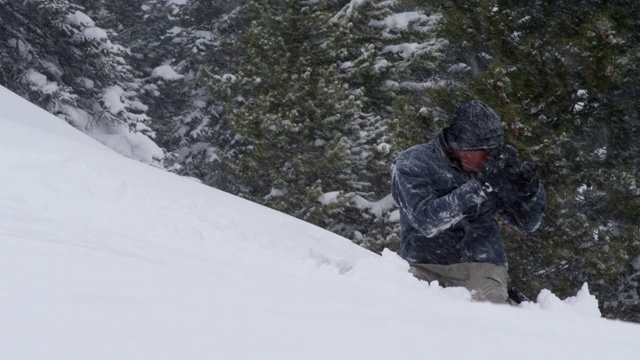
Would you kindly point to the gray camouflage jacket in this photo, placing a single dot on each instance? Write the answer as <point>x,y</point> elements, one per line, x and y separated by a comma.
<point>445,216</point>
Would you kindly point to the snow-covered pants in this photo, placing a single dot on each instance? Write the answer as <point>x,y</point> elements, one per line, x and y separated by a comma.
<point>487,282</point>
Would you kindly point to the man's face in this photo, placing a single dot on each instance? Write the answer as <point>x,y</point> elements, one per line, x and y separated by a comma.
<point>473,160</point>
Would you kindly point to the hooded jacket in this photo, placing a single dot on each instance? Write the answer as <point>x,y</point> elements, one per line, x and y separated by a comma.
<point>445,216</point>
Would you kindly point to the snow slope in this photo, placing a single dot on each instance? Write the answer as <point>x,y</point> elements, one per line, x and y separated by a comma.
<point>102,257</point>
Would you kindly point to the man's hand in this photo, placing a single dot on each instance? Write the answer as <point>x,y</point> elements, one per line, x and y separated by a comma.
<point>505,174</point>
<point>521,174</point>
<point>494,178</point>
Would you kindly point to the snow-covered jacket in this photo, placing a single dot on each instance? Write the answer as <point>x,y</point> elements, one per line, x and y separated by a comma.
<point>445,216</point>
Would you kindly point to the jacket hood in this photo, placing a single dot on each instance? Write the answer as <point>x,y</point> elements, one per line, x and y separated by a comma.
<point>474,126</point>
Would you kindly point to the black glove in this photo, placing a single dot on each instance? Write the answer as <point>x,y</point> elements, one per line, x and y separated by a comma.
<point>494,181</point>
<point>526,182</point>
<point>521,174</point>
<point>508,159</point>
<point>495,177</point>
<point>505,175</point>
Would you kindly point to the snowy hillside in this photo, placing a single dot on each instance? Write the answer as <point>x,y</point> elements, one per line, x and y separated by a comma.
<point>102,257</point>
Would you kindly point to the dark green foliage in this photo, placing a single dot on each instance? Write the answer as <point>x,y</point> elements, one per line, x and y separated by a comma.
<point>303,144</point>
<point>282,134</point>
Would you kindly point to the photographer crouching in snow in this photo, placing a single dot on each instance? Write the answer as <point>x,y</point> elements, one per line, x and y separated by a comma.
<point>450,190</point>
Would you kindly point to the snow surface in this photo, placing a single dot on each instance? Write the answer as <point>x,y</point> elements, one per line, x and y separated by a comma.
<point>102,257</point>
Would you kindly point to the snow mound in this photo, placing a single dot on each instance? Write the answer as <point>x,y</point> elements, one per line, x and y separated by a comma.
<point>583,303</point>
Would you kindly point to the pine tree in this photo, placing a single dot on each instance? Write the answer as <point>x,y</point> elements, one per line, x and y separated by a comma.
<point>268,103</point>
<point>393,53</point>
<point>57,57</point>
<point>392,50</point>
<point>170,44</point>
<point>300,143</point>
<point>192,130</point>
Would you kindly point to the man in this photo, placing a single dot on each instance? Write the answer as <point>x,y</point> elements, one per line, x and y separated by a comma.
<point>449,192</point>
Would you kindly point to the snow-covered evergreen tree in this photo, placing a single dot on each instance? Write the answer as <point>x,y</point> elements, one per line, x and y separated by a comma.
<point>190,128</point>
<point>54,55</point>
<point>170,43</point>
<point>390,51</point>
<point>301,144</point>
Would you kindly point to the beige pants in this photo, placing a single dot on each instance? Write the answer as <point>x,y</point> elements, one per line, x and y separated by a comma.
<point>487,282</point>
